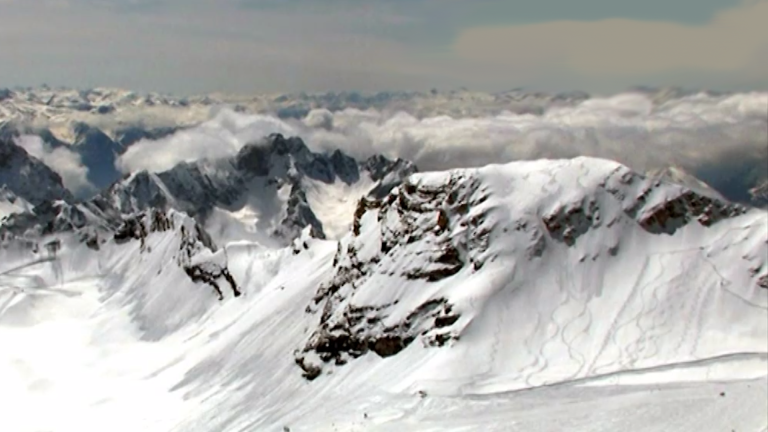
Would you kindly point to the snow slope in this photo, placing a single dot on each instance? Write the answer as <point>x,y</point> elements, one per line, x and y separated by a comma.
<point>549,295</point>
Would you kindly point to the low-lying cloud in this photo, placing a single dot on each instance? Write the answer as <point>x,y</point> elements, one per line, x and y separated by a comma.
<point>698,133</point>
<point>219,137</point>
<point>63,161</point>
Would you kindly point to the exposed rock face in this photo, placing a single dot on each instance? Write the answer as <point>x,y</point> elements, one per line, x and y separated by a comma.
<point>360,330</point>
<point>299,215</point>
<point>680,210</point>
<point>193,240</point>
<point>567,224</point>
<point>210,273</point>
<point>432,232</point>
<point>27,177</point>
<point>672,211</point>
<point>657,207</point>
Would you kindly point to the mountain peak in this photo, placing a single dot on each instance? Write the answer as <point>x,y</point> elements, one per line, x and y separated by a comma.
<point>421,263</point>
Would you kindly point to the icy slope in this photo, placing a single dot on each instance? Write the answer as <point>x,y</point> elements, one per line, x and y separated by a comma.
<point>641,305</point>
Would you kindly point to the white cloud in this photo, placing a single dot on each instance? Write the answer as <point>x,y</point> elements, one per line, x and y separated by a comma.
<point>697,133</point>
<point>626,127</point>
<point>221,136</point>
<point>63,161</point>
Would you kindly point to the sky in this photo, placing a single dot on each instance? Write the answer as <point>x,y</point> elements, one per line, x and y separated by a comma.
<point>253,46</point>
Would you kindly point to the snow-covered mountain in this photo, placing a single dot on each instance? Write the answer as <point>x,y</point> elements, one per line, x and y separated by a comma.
<point>579,244</point>
<point>614,299</point>
<point>269,191</point>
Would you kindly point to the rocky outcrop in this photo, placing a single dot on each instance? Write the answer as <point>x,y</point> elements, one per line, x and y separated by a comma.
<point>567,224</point>
<point>29,178</point>
<point>432,232</point>
<point>298,215</point>
<point>684,208</point>
<point>139,226</point>
<point>210,273</point>
<point>193,240</point>
<point>361,330</point>
<point>662,208</point>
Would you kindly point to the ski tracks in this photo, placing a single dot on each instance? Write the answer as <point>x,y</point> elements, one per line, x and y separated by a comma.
<point>610,335</point>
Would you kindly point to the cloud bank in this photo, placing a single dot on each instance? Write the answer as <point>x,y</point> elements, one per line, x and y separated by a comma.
<point>63,161</point>
<point>219,137</point>
<point>714,137</point>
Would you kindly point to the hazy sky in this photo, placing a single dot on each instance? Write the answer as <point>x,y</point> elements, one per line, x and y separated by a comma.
<point>194,46</point>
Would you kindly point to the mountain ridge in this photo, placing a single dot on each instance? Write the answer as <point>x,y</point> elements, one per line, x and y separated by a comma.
<point>271,175</point>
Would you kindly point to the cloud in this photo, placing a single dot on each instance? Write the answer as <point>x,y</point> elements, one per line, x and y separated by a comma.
<point>219,137</point>
<point>698,133</point>
<point>61,160</point>
<point>733,42</point>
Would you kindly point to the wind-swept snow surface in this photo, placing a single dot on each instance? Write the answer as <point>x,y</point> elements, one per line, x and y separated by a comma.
<point>551,295</point>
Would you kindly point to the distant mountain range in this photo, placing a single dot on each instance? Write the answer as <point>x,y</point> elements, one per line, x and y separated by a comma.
<point>100,124</point>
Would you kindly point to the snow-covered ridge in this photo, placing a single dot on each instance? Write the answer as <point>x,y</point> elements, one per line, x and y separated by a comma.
<point>431,261</point>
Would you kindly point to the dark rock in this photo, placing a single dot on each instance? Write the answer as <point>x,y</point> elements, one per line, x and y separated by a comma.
<point>388,346</point>
<point>445,321</point>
